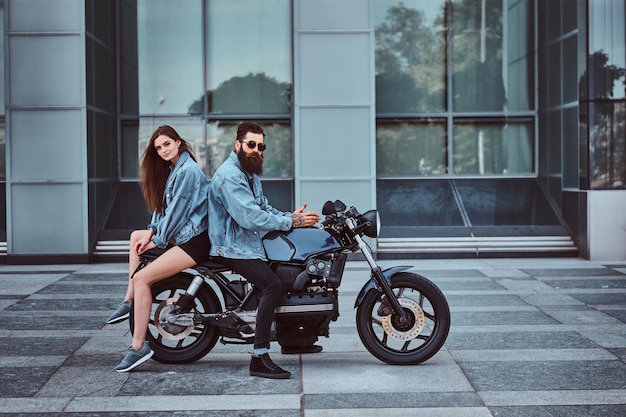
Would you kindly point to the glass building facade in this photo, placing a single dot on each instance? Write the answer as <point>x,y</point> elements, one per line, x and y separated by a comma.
<point>476,127</point>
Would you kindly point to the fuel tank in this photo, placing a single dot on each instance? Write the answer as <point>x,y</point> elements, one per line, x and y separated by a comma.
<point>297,244</point>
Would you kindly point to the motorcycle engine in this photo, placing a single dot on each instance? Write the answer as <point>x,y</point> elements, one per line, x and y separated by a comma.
<point>317,272</point>
<point>309,301</point>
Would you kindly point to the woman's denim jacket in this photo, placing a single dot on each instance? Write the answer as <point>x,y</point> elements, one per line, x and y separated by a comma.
<point>240,213</point>
<point>185,204</point>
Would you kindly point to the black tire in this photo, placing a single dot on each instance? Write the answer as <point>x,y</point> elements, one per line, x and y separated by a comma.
<point>417,340</point>
<point>200,341</point>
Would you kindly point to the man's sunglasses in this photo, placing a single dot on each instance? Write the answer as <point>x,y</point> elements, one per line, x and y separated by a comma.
<point>252,144</point>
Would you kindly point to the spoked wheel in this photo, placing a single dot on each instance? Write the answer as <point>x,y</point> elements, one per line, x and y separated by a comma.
<point>174,343</point>
<point>420,336</point>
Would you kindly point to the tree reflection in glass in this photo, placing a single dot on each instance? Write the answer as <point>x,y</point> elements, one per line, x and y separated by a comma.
<point>607,147</point>
<point>410,56</point>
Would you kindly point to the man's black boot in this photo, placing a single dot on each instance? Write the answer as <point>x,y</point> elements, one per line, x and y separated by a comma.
<point>263,366</point>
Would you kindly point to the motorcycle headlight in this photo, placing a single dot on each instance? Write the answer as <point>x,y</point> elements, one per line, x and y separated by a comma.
<point>373,218</point>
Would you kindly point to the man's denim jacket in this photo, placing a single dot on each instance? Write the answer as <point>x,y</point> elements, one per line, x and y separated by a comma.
<point>240,214</point>
<point>185,204</point>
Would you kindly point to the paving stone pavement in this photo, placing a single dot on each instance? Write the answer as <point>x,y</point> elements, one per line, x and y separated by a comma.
<point>529,337</point>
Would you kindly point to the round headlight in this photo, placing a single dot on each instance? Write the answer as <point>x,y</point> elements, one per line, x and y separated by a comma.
<point>373,219</point>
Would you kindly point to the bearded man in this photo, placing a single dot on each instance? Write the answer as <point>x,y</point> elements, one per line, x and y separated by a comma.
<point>239,214</point>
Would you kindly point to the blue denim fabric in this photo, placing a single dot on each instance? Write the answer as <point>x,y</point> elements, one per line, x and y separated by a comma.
<point>185,204</point>
<point>239,216</point>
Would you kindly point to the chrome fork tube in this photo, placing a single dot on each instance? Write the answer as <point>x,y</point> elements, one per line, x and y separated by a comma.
<point>185,301</point>
<point>195,284</point>
<point>377,273</point>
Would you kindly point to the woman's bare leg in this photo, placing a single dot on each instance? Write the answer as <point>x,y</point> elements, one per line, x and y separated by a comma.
<point>133,257</point>
<point>171,262</point>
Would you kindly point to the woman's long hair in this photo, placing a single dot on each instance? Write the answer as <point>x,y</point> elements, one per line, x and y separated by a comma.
<point>154,170</point>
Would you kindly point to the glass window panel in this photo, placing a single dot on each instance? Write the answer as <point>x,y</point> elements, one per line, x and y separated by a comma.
<point>553,149</point>
<point>130,150</point>
<point>135,138</point>
<point>608,146</point>
<point>553,19</point>
<point>277,158</point>
<point>410,56</point>
<point>583,145</point>
<point>249,56</point>
<point>479,67</point>
<point>607,38</point>
<point>128,57</point>
<point>2,104</point>
<point>507,202</point>
<point>3,177</point>
<point>519,79</point>
<point>494,149</point>
<point>3,211</point>
<point>415,203</point>
<point>169,40</point>
<point>570,76</point>
<point>554,74</point>
<point>410,149</point>
<point>103,80</point>
<point>280,194</point>
<point>128,213</point>
<point>3,144</point>
<point>520,96</point>
<point>570,15</point>
<point>571,158</point>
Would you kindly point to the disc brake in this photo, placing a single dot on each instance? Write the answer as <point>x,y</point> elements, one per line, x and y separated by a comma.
<point>169,323</point>
<point>413,326</point>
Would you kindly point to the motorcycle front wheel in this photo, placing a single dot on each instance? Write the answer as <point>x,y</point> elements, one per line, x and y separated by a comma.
<point>420,336</point>
<point>194,342</point>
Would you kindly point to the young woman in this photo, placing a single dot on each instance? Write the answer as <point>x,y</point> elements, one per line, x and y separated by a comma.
<point>176,192</point>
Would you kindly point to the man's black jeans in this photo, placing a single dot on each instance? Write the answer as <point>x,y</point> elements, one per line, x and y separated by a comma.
<point>261,275</point>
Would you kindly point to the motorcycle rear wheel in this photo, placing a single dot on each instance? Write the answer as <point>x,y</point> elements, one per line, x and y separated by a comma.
<point>413,342</point>
<point>201,339</point>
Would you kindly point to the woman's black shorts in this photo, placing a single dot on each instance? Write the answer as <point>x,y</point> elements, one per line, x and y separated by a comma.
<point>197,247</point>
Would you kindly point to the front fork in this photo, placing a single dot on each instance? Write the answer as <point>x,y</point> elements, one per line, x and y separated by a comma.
<point>380,281</point>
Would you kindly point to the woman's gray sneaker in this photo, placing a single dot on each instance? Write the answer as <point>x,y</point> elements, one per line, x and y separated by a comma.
<point>135,358</point>
<point>122,312</point>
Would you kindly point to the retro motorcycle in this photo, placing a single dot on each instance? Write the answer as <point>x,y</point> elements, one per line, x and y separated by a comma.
<point>402,317</point>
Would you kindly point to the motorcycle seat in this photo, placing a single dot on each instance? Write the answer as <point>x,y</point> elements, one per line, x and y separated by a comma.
<point>210,264</point>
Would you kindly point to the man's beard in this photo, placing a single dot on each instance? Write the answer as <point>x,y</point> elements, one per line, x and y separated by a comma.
<point>252,163</point>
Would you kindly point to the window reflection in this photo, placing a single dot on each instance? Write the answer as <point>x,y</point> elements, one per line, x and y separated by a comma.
<point>3,143</point>
<point>486,49</point>
<point>248,57</point>
<point>2,102</point>
<point>463,206</point>
<point>169,47</point>
<point>410,149</point>
<point>247,70</point>
<point>410,56</point>
<point>493,148</point>
<point>608,146</point>
<point>606,79</point>
<point>3,171</point>
<point>408,203</point>
<point>492,56</point>
<point>477,30</point>
<point>511,202</point>
<point>608,41</point>
<point>492,65</point>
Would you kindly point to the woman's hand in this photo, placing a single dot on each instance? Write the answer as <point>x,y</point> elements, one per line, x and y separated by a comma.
<point>144,242</point>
